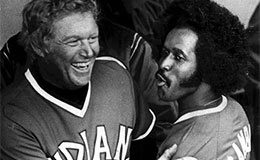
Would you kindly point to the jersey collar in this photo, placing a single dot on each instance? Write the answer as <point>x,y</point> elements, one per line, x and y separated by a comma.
<point>193,114</point>
<point>63,105</point>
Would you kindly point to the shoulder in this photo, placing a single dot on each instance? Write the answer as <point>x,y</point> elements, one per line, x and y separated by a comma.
<point>234,132</point>
<point>233,121</point>
<point>15,91</point>
<point>111,69</point>
<point>110,61</point>
<point>235,112</point>
<point>20,102</point>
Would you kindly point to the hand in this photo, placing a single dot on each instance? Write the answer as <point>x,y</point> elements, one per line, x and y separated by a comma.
<point>168,153</point>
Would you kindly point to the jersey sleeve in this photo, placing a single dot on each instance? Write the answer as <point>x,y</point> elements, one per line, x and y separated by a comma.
<point>145,118</point>
<point>143,68</point>
<point>18,143</point>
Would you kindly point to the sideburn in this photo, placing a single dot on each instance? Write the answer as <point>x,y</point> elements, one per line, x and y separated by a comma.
<point>193,81</point>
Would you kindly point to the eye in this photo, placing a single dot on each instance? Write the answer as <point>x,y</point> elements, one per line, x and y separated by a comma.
<point>92,39</point>
<point>178,55</point>
<point>72,42</point>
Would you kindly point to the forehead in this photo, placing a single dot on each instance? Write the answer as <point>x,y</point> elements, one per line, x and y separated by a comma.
<point>75,23</point>
<point>181,38</point>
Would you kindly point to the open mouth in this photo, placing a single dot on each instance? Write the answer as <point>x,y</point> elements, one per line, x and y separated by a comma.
<point>161,79</point>
<point>81,66</point>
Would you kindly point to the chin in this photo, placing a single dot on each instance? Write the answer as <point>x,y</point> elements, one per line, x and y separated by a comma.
<point>82,82</point>
<point>168,97</point>
<point>163,96</point>
<point>78,82</point>
<point>165,99</point>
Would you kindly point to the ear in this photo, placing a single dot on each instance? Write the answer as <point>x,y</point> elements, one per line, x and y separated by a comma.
<point>38,51</point>
<point>44,49</point>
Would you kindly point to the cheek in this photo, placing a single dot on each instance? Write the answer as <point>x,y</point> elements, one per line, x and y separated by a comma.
<point>95,47</point>
<point>64,53</point>
<point>186,70</point>
<point>174,76</point>
<point>58,60</point>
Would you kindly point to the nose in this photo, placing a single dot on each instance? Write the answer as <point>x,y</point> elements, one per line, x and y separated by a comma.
<point>86,49</point>
<point>166,63</point>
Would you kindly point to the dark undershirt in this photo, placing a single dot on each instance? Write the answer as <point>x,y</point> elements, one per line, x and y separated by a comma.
<point>75,98</point>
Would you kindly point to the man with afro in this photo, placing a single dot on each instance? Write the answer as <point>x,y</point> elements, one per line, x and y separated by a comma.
<point>204,58</point>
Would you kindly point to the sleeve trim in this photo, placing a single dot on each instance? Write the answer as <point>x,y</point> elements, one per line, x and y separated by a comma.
<point>149,128</point>
<point>135,44</point>
<point>108,58</point>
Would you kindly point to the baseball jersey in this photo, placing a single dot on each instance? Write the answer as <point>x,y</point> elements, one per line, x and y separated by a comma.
<point>222,132</point>
<point>36,125</point>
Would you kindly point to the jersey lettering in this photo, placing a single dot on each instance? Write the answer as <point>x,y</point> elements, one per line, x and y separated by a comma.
<point>65,148</point>
<point>244,138</point>
<point>101,145</point>
<point>57,156</point>
<point>85,140</point>
<point>123,142</point>
<point>76,151</point>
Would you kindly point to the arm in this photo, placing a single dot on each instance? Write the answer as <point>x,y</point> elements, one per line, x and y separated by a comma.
<point>143,68</point>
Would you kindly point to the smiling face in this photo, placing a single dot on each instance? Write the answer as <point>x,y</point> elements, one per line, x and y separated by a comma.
<point>71,51</point>
<point>177,76</point>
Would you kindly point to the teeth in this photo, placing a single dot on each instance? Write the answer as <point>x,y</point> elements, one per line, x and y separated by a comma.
<point>82,65</point>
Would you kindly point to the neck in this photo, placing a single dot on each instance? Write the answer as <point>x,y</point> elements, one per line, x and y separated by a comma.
<point>50,75</point>
<point>202,98</point>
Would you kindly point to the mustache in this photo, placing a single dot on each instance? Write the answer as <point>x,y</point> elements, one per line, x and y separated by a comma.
<point>161,76</point>
<point>192,81</point>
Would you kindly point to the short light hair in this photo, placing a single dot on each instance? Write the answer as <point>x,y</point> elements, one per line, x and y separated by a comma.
<point>39,15</point>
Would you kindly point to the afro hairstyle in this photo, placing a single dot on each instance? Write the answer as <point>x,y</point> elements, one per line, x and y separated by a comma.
<point>221,51</point>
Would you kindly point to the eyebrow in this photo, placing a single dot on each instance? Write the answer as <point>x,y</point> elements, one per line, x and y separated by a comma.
<point>70,37</point>
<point>173,49</point>
<point>80,37</point>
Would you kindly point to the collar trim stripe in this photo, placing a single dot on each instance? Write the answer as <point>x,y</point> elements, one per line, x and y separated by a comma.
<point>65,106</point>
<point>193,114</point>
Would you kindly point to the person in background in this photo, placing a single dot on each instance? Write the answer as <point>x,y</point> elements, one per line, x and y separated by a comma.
<point>204,58</point>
